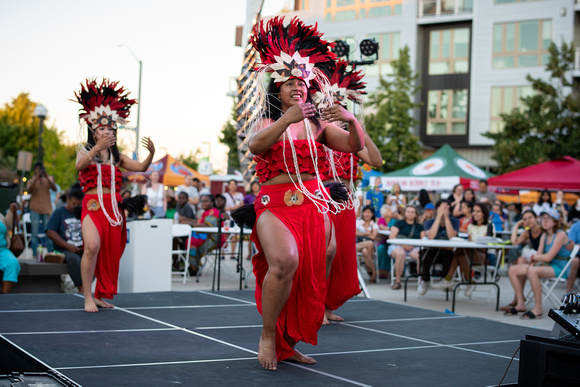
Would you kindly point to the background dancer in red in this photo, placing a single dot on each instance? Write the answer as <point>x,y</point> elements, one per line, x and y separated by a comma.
<point>289,230</point>
<point>341,262</point>
<point>103,227</point>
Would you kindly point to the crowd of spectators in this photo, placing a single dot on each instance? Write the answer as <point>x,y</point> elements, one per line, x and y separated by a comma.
<point>536,228</point>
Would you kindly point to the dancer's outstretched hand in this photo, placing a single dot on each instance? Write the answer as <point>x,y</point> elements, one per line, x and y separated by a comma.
<point>147,143</point>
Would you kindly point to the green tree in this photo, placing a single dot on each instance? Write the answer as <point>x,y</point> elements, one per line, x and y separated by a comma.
<point>229,138</point>
<point>191,160</point>
<point>390,125</point>
<point>547,125</point>
<point>19,132</point>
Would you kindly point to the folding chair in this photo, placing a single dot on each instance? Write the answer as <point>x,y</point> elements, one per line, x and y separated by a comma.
<point>548,284</point>
<point>26,225</point>
<point>182,231</point>
<point>492,271</point>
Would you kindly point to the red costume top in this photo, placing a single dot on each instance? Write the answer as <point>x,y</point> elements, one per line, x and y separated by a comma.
<point>343,165</point>
<point>88,177</point>
<point>271,163</point>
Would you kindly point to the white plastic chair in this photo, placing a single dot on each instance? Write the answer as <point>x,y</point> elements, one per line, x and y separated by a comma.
<point>182,231</point>
<point>548,284</point>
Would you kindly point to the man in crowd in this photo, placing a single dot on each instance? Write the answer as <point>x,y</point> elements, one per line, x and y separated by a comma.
<point>184,209</point>
<point>191,190</point>
<point>376,199</point>
<point>574,237</point>
<point>444,226</point>
<point>64,229</point>
<point>40,205</point>
<point>484,195</point>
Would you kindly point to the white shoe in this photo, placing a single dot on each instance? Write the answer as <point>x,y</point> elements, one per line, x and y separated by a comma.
<point>469,290</point>
<point>445,284</point>
<point>422,288</point>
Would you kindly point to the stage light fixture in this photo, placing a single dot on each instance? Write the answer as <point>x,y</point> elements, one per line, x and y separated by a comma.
<point>369,47</point>
<point>341,48</point>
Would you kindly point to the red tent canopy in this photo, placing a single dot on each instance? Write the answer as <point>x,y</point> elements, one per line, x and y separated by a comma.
<point>562,173</point>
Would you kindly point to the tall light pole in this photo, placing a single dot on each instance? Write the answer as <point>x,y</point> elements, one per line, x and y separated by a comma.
<point>40,112</point>
<point>138,99</point>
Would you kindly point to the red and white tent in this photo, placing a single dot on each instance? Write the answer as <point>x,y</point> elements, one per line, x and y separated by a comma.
<point>560,174</point>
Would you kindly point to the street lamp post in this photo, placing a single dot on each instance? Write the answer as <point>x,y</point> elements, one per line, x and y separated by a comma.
<point>40,112</point>
<point>138,99</point>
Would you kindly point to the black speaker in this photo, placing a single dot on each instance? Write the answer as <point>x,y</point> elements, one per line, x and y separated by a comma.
<point>548,362</point>
<point>18,368</point>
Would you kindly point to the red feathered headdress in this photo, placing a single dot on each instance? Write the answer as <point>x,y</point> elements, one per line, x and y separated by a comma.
<point>104,104</point>
<point>291,51</point>
<point>344,84</point>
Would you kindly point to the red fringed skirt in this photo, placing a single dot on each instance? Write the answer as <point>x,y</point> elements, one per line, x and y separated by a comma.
<point>113,242</point>
<point>303,312</point>
<point>342,282</point>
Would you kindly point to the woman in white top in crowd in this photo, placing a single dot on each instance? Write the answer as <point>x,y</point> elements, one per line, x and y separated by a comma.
<point>155,193</point>
<point>366,235</point>
<point>396,199</point>
<point>544,202</point>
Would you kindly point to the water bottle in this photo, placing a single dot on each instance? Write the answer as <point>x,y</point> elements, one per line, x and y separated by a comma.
<point>176,218</point>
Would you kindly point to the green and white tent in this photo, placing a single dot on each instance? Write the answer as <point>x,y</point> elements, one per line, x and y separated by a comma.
<point>438,172</point>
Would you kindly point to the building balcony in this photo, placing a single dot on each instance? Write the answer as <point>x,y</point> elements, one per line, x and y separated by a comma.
<point>576,71</point>
<point>437,11</point>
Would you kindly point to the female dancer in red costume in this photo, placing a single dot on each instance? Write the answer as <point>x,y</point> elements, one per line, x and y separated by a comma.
<point>103,224</point>
<point>341,262</point>
<point>289,230</point>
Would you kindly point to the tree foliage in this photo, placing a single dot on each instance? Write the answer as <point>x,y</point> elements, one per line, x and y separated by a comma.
<point>547,125</point>
<point>229,138</point>
<point>390,125</point>
<point>19,132</point>
<point>191,160</point>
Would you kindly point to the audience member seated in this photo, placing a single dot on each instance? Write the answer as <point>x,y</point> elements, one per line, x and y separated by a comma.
<point>201,243</point>
<point>514,214</point>
<point>479,227</point>
<point>484,195</point>
<point>64,229</point>
<point>366,235</point>
<point>528,240</point>
<point>8,262</point>
<point>465,219</point>
<point>396,199</point>
<point>455,200</point>
<point>428,213</point>
<point>544,202</point>
<point>548,263</point>
<point>421,200</point>
<point>408,229</point>
<point>574,212</point>
<point>184,209</point>
<point>574,236</point>
<point>385,223</point>
<point>191,191</point>
<point>496,216</point>
<point>444,226</point>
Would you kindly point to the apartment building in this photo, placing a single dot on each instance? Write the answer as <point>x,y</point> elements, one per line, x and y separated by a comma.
<point>472,56</point>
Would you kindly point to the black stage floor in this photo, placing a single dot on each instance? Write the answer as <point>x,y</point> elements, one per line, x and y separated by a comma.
<point>207,338</point>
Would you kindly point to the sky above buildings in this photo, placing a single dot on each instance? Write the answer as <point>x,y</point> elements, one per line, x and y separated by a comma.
<point>190,62</point>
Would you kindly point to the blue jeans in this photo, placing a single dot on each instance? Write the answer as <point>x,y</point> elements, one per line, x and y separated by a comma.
<point>38,223</point>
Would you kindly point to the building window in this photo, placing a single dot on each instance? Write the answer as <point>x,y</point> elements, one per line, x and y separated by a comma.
<point>444,7</point>
<point>514,1</point>
<point>301,5</point>
<point>504,100</point>
<point>449,51</point>
<point>389,46</point>
<point>523,44</point>
<point>341,10</point>
<point>447,112</point>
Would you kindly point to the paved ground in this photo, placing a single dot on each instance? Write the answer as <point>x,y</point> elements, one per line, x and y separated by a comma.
<point>478,306</point>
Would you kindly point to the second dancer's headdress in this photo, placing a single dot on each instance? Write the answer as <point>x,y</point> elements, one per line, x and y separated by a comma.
<point>343,84</point>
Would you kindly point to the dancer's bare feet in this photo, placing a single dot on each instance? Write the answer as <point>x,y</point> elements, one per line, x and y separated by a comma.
<point>325,320</point>
<point>267,353</point>
<point>103,304</point>
<point>329,316</point>
<point>90,305</point>
<point>300,358</point>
